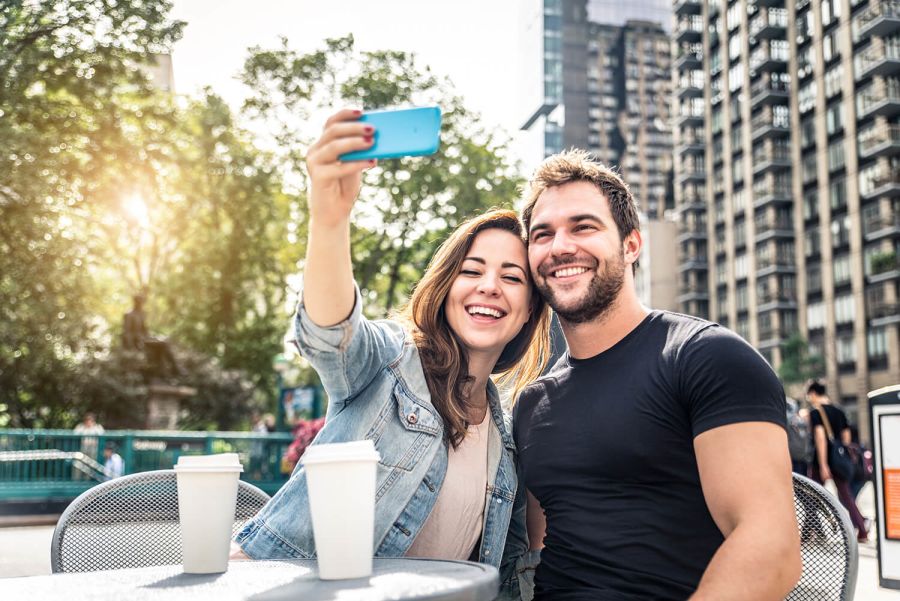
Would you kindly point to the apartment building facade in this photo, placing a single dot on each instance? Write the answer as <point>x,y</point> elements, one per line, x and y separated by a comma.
<point>787,187</point>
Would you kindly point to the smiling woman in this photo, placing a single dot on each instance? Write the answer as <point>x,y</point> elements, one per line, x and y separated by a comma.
<point>420,387</point>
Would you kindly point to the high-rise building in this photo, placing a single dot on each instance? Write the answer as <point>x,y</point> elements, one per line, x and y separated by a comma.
<point>787,162</point>
<point>607,88</point>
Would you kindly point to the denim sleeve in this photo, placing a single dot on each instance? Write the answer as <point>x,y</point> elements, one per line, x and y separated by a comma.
<point>348,355</point>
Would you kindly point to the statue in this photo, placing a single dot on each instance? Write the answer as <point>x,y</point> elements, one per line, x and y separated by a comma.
<point>157,351</point>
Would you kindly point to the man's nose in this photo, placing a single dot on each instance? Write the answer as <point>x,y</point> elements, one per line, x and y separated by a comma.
<point>562,244</point>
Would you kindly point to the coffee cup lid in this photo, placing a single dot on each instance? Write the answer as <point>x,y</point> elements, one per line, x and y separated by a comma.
<point>222,462</point>
<point>358,450</point>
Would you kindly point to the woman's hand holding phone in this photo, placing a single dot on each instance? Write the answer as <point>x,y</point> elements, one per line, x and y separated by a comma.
<point>335,184</point>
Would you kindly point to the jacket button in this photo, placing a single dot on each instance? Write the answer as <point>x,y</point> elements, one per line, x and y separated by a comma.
<point>412,418</point>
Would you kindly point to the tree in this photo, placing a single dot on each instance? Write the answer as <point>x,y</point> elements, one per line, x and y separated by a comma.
<point>60,62</point>
<point>797,365</point>
<point>408,205</point>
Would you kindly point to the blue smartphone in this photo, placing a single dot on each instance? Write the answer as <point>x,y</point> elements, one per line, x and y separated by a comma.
<point>401,133</point>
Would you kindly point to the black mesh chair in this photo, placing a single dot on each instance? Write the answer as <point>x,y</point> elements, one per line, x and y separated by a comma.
<point>131,522</point>
<point>827,545</point>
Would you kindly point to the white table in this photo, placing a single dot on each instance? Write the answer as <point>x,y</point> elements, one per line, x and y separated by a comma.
<point>394,579</point>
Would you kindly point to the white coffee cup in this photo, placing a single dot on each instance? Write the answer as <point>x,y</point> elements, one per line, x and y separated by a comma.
<point>207,494</point>
<point>341,478</point>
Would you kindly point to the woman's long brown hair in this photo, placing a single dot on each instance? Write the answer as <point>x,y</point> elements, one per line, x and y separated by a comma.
<point>444,359</point>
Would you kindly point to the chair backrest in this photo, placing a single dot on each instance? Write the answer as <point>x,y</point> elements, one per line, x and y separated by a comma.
<point>827,545</point>
<point>131,522</point>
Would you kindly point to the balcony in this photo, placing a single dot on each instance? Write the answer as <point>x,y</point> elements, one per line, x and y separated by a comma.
<point>692,292</point>
<point>691,143</point>
<point>769,91</point>
<point>691,174</point>
<point>877,59</point>
<point>691,231</point>
<point>689,118</point>
<point>770,194</point>
<point>878,19</point>
<point>769,23</point>
<point>783,299</point>
<point>769,124</point>
<point>764,159</point>
<point>879,140</point>
<point>878,100</point>
<point>689,29</point>
<point>768,57</point>
<point>688,7</point>
<point>766,229</point>
<point>882,184</point>
<point>690,57</point>
<point>883,313</point>
<point>881,227</point>
<point>885,267</point>
<point>780,264</point>
<point>690,85</point>
<point>693,263</point>
<point>692,202</point>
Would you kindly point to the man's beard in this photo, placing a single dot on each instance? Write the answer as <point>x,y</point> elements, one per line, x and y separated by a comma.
<point>602,291</point>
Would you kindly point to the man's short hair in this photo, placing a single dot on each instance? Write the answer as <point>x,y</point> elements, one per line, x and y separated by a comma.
<point>577,165</point>
<point>816,387</point>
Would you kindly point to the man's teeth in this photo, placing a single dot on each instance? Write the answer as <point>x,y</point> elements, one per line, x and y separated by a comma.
<point>569,271</point>
<point>485,311</point>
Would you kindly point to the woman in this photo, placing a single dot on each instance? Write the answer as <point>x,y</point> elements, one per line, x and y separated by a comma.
<point>419,387</point>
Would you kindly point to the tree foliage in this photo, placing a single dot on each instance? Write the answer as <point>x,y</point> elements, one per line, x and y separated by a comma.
<point>408,205</point>
<point>110,187</point>
<point>797,364</point>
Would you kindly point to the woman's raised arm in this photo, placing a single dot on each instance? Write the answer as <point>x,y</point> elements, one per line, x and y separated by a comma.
<point>328,294</point>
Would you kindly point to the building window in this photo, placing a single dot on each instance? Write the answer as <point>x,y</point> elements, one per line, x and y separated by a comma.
<point>876,343</point>
<point>833,80</point>
<point>846,349</point>
<point>841,268</point>
<point>740,266</point>
<point>844,308</point>
<point>836,155</point>
<point>811,204</point>
<point>834,117</point>
<point>811,245</point>
<point>840,231</point>
<point>837,193</point>
<point>813,279</point>
<point>815,316</point>
<point>807,132</point>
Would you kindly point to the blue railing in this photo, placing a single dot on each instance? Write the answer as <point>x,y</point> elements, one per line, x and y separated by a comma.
<point>60,464</point>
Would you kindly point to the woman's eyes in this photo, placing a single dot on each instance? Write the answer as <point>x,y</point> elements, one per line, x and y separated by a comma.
<point>473,273</point>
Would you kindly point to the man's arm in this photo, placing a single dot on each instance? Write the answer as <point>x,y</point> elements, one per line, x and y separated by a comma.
<point>745,472</point>
<point>821,441</point>
<point>536,523</point>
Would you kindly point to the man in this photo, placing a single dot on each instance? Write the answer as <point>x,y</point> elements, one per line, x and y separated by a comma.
<point>829,421</point>
<point>88,428</point>
<point>654,453</point>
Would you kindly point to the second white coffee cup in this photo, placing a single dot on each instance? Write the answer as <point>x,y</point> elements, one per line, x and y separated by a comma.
<point>207,494</point>
<point>341,483</point>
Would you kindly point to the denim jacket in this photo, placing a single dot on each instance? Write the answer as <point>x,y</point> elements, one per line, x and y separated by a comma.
<point>377,390</point>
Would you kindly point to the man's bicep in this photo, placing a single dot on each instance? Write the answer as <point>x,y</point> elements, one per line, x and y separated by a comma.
<point>745,473</point>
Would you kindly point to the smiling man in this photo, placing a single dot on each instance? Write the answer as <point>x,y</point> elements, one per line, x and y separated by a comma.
<point>655,452</point>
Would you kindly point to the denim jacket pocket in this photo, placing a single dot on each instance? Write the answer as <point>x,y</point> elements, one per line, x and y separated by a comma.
<point>414,415</point>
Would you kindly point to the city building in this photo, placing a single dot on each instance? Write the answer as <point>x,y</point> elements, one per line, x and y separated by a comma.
<point>787,187</point>
<point>606,87</point>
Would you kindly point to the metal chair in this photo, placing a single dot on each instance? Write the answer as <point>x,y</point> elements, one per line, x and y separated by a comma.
<point>827,545</point>
<point>131,522</point>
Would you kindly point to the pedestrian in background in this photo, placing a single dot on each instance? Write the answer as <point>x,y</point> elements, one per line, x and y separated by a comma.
<point>830,422</point>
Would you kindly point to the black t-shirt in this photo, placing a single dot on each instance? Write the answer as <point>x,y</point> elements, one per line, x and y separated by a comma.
<point>836,418</point>
<point>606,446</point>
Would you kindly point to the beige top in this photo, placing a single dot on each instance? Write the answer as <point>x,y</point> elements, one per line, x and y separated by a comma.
<point>455,523</point>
